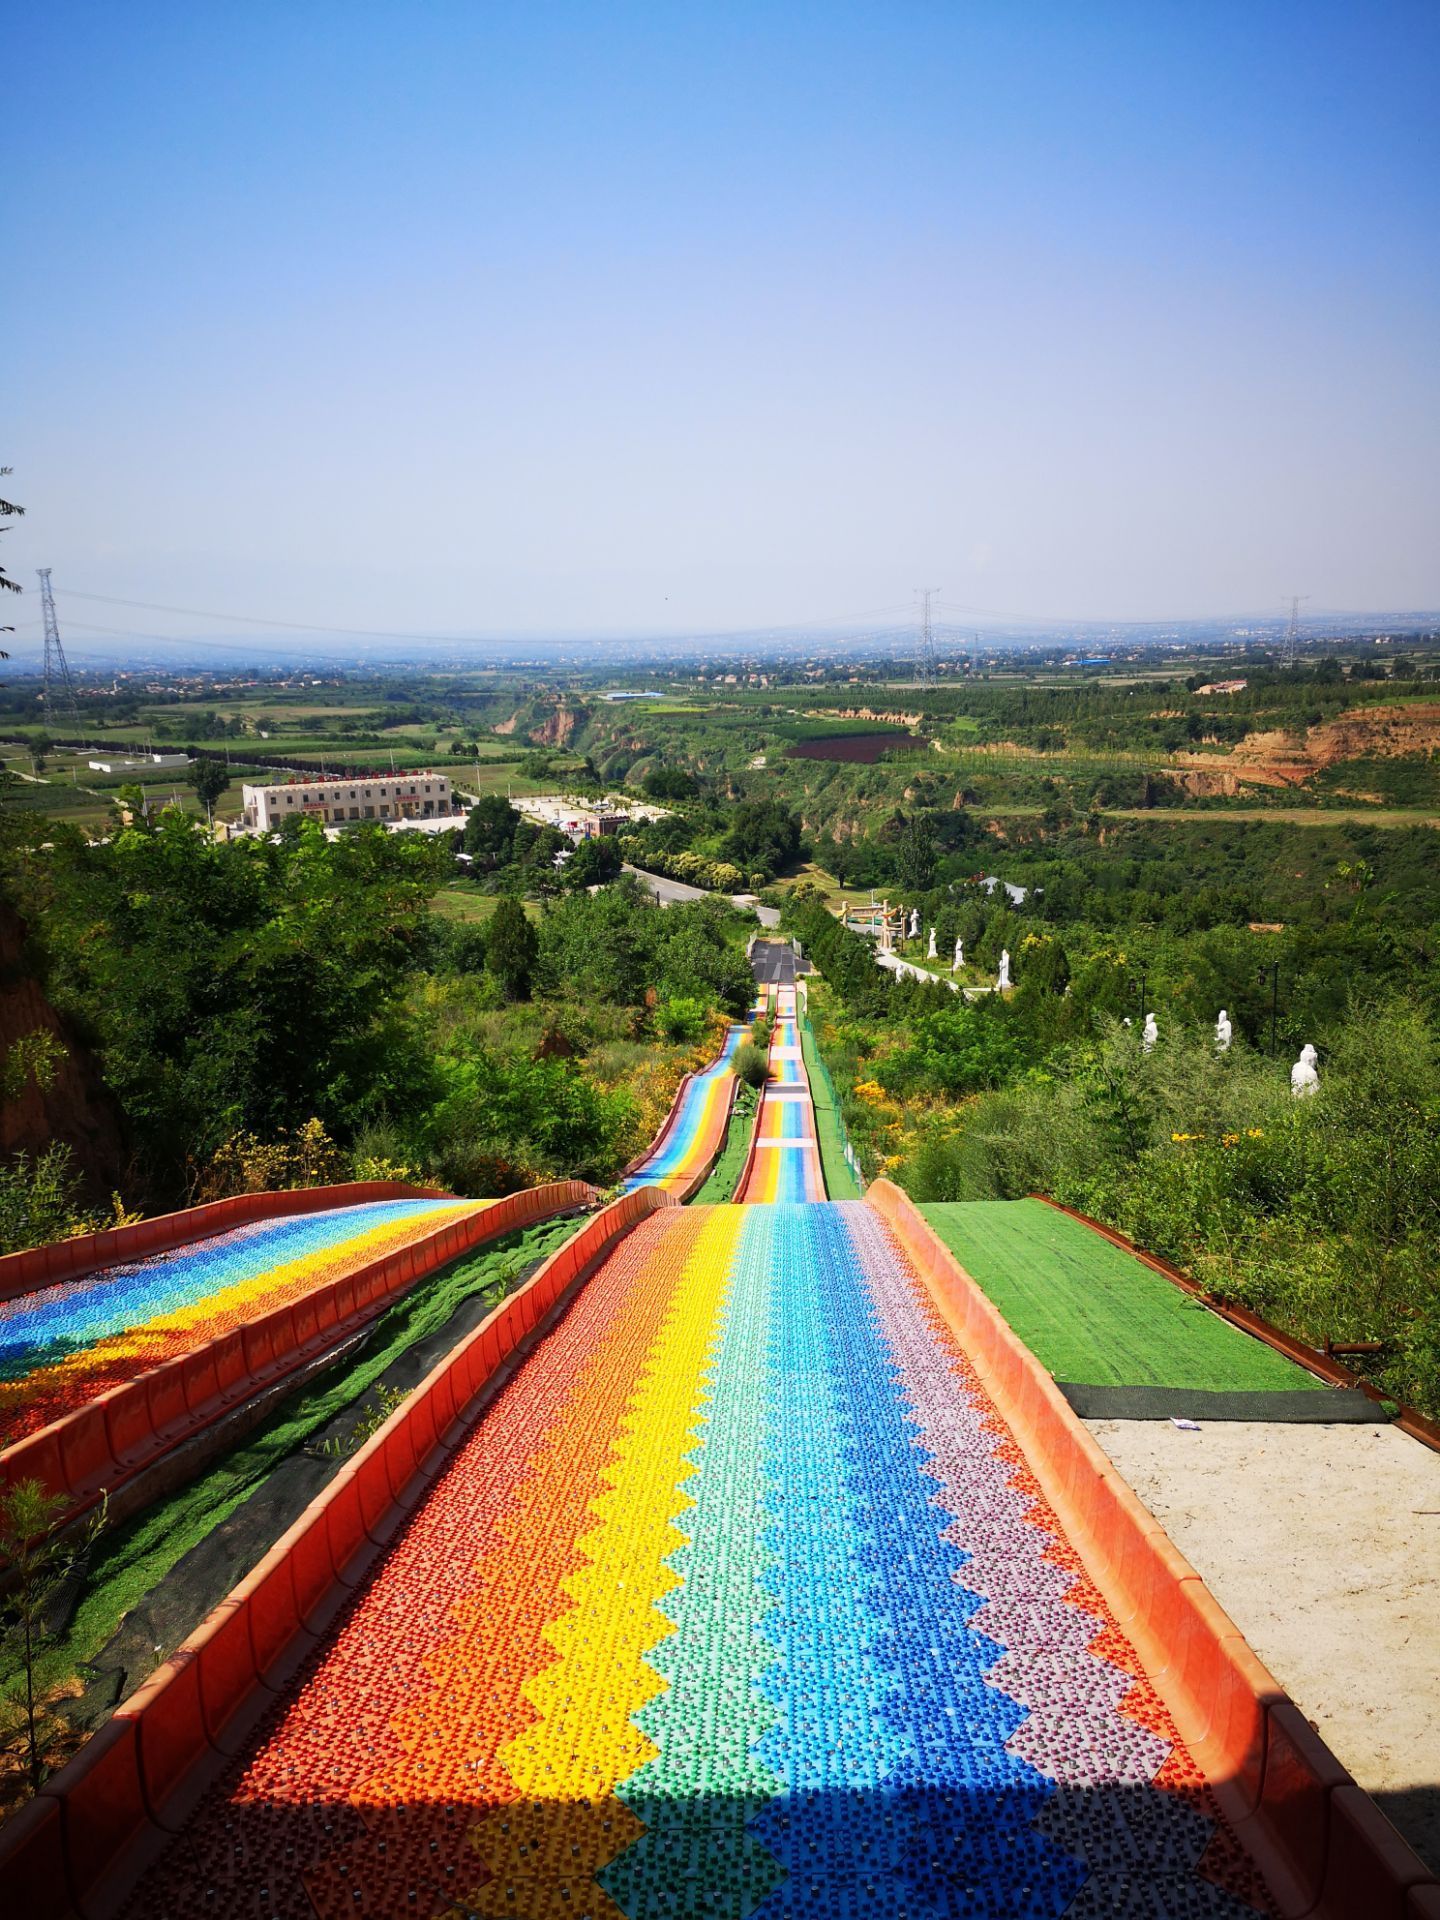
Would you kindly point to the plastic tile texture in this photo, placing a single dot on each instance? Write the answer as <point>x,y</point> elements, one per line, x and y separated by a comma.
<point>62,1345</point>
<point>785,1167</point>
<point>738,1600</point>
<point>693,1137</point>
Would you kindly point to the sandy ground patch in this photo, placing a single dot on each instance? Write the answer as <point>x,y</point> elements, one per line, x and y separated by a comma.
<point>1323,1544</point>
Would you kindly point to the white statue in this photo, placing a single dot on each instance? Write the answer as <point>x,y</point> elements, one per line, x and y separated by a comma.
<point>1304,1080</point>
<point>915,923</point>
<point>959,959</point>
<point>1004,980</point>
<point>1224,1032</point>
<point>1150,1033</point>
<point>931,954</point>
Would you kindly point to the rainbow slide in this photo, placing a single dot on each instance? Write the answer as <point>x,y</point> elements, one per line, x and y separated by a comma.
<point>738,1601</point>
<point>784,1164</point>
<point>695,1130</point>
<point>62,1345</point>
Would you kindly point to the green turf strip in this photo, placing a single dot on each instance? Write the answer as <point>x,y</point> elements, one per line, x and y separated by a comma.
<point>724,1175</point>
<point>1094,1314</point>
<point>840,1181</point>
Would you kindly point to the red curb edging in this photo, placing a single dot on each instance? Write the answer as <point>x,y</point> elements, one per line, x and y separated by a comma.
<point>68,1259</point>
<point>1410,1420</point>
<point>1324,1848</point>
<point>103,1445</point>
<point>79,1847</point>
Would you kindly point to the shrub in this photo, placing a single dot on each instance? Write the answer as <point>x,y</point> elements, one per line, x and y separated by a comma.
<point>682,1020</point>
<point>751,1065</point>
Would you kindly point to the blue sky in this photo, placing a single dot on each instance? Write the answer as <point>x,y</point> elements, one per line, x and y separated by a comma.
<point>538,318</point>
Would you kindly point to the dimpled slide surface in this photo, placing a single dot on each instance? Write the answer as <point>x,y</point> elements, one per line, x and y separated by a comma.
<point>697,1127</point>
<point>62,1345</point>
<point>785,1166</point>
<point>739,1599</point>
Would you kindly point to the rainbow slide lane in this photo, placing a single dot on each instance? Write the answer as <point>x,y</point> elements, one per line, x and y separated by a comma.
<point>785,1163</point>
<point>62,1345</point>
<point>695,1131</point>
<point>738,1600</point>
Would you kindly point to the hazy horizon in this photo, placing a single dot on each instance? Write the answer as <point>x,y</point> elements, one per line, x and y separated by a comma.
<point>542,322</point>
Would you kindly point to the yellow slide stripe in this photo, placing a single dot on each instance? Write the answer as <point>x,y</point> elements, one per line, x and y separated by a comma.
<point>567,1765</point>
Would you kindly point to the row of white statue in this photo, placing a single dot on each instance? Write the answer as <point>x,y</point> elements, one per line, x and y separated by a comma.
<point>1304,1076</point>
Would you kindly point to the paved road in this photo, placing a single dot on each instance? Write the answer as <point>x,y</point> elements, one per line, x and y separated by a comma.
<point>667,892</point>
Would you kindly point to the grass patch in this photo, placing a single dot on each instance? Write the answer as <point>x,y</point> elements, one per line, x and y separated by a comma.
<point>472,908</point>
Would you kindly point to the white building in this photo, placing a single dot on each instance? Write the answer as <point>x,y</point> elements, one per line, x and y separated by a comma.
<point>140,763</point>
<point>388,796</point>
<point>583,819</point>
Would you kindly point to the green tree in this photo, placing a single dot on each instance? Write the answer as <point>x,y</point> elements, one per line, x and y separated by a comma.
<point>242,987</point>
<point>8,511</point>
<point>764,837</point>
<point>669,783</point>
<point>916,854</point>
<point>594,863</point>
<point>36,1561</point>
<point>490,831</point>
<point>209,778</point>
<point>511,947</point>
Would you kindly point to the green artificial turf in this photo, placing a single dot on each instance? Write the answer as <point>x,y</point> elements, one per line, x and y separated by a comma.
<point>130,1560</point>
<point>840,1181</point>
<point>1095,1315</point>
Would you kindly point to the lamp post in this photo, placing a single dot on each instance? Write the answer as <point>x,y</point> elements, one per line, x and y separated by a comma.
<point>1138,986</point>
<point>1274,972</point>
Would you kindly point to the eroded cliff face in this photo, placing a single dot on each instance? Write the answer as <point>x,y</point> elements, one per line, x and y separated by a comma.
<point>75,1106</point>
<point>1281,759</point>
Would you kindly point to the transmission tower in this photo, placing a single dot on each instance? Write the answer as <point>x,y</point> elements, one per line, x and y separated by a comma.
<point>57,667</point>
<point>1292,632</point>
<point>928,665</point>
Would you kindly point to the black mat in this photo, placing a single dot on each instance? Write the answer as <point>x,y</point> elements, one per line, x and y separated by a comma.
<point>1334,1406</point>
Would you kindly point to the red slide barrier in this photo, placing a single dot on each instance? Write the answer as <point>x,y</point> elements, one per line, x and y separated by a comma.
<point>105,1443</point>
<point>79,1846</point>
<point>88,1252</point>
<point>1325,1849</point>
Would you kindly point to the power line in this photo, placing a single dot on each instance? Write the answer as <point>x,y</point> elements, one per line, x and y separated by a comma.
<point>260,620</point>
<point>751,634</point>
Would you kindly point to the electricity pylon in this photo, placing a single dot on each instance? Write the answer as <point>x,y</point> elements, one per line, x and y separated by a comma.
<point>929,669</point>
<point>57,667</point>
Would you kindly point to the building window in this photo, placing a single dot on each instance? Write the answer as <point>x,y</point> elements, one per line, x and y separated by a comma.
<point>354,813</point>
<point>369,813</point>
